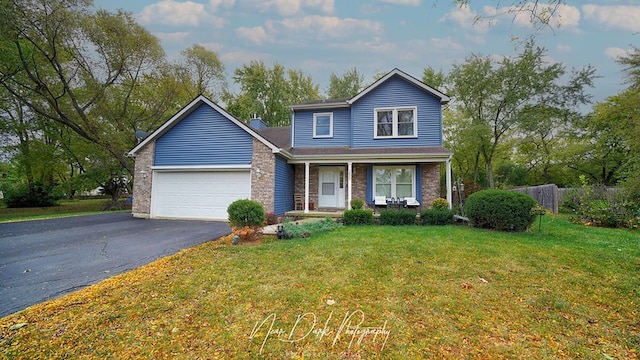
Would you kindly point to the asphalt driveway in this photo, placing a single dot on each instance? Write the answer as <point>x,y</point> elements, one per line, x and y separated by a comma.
<point>44,259</point>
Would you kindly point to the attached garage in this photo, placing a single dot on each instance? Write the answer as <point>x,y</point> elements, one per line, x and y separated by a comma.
<point>197,194</point>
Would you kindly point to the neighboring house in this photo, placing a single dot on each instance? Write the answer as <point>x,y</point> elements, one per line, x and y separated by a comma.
<point>385,141</point>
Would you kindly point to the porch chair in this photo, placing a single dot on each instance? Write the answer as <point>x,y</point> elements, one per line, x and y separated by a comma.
<point>412,203</point>
<point>379,201</point>
<point>298,201</point>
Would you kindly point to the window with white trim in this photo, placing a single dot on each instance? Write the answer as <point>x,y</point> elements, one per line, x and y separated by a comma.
<point>398,122</point>
<point>323,125</point>
<point>392,181</point>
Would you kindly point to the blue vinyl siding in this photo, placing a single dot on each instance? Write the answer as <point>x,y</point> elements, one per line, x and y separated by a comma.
<point>304,128</point>
<point>397,92</point>
<point>284,185</point>
<point>204,137</point>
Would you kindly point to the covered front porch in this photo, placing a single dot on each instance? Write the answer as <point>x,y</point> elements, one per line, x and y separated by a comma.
<point>325,187</point>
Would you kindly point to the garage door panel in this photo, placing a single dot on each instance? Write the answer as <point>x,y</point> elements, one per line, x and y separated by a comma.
<point>198,195</point>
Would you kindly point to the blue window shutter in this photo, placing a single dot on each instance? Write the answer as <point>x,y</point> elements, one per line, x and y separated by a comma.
<point>418,183</point>
<point>369,184</point>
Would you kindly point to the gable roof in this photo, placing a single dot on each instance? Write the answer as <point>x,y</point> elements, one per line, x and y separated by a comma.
<point>345,103</point>
<point>397,72</point>
<point>185,111</point>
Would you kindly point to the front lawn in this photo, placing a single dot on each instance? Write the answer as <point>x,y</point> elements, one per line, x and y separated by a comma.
<point>65,208</point>
<point>359,292</point>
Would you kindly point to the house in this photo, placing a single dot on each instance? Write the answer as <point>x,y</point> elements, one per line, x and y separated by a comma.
<point>385,141</point>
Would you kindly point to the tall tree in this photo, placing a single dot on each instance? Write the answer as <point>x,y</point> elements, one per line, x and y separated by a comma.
<point>202,72</point>
<point>268,92</point>
<point>69,65</point>
<point>499,96</point>
<point>433,78</point>
<point>345,86</point>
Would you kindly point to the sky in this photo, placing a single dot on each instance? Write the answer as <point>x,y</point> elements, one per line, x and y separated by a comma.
<point>321,37</point>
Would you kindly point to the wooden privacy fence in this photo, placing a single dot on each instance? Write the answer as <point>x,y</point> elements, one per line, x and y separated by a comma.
<point>546,195</point>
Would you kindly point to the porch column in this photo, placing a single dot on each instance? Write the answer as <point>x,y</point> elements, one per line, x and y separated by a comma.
<point>349,184</point>
<point>449,197</point>
<point>306,187</point>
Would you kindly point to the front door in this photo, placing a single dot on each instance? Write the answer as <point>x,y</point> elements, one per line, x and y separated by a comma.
<point>331,187</point>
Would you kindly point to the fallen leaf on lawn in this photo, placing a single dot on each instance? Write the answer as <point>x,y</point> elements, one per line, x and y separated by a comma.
<point>18,326</point>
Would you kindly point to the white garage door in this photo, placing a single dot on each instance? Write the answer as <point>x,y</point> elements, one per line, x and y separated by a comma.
<point>198,194</point>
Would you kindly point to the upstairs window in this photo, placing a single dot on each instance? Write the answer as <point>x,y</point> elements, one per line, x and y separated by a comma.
<point>323,125</point>
<point>395,122</point>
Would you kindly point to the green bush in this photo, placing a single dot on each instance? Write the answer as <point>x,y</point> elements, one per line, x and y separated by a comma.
<point>24,196</point>
<point>294,230</point>
<point>245,212</point>
<point>440,204</point>
<point>597,206</point>
<point>357,204</point>
<point>500,210</point>
<point>616,212</point>
<point>397,217</point>
<point>437,216</point>
<point>357,217</point>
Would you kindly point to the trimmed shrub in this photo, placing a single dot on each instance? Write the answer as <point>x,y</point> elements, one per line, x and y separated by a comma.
<point>502,210</point>
<point>437,216</point>
<point>24,196</point>
<point>357,204</point>
<point>295,230</point>
<point>440,204</point>
<point>271,218</point>
<point>245,212</point>
<point>357,217</point>
<point>397,217</point>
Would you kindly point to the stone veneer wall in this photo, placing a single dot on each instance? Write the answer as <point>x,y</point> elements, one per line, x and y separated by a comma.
<point>313,182</point>
<point>143,177</point>
<point>430,183</point>
<point>359,183</point>
<point>263,168</point>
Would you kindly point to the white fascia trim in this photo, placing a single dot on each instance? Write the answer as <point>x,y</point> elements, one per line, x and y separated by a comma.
<point>375,158</point>
<point>321,105</point>
<point>243,167</point>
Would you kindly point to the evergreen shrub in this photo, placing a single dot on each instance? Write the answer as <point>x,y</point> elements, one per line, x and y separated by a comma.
<point>502,210</point>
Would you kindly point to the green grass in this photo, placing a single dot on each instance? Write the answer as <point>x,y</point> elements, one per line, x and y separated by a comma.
<point>432,292</point>
<point>65,208</point>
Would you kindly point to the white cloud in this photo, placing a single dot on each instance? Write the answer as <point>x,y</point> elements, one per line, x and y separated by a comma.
<point>325,26</point>
<point>446,43</point>
<point>560,16</point>
<point>564,48</point>
<point>402,2</point>
<point>614,52</point>
<point>242,56</point>
<point>556,17</point>
<point>256,34</point>
<point>172,37</point>
<point>215,4</point>
<point>622,17</point>
<point>467,19</point>
<point>169,12</point>
<point>374,45</point>
<point>294,7</point>
<point>213,46</point>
